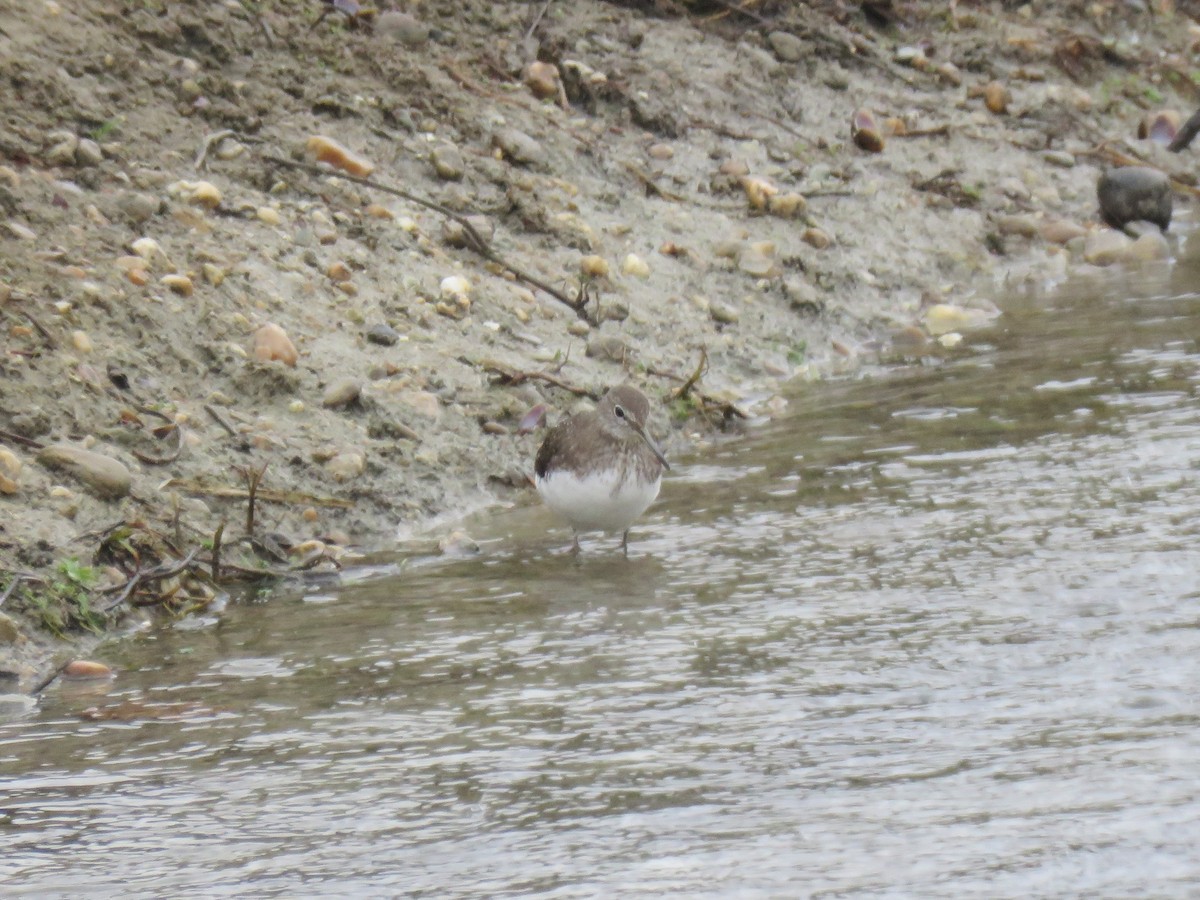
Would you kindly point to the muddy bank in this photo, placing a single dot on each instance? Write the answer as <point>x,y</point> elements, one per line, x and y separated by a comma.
<point>692,177</point>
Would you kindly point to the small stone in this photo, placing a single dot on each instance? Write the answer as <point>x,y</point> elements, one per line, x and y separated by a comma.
<point>327,150</point>
<point>423,402</point>
<point>180,284</point>
<point>725,313</point>
<point>608,347</point>
<point>337,271</point>
<point>542,79</point>
<point>521,148</point>
<point>1130,193</point>
<point>942,318</point>
<point>1060,158</point>
<point>213,274</point>
<point>81,342</point>
<point>204,193</point>
<point>787,47</point>
<point>88,153</point>
<point>1025,226</point>
<point>402,27</point>
<point>996,97</point>
<point>815,237</point>
<point>454,286</point>
<point>1062,232</point>
<point>137,207</point>
<point>578,328</point>
<point>383,334</point>
<point>341,393</point>
<point>636,266</point>
<point>271,343</point>
<point>346,466</point>
<point>758,191</point>
<point>378,211</point>
<point>660,151</point>
<point>62,151</point>
<point>866,132</point>
<point>593,266</point>
<point>268,215</point>
<point>1150,247</point>
<point>104,475</point>
<point>448,162</point>
<point>86,668</point>
<point>10,633</point>
<point>21,232</point>
<point>148,249</point>
<point>758,260</point>
<point>10,469</point>
<point>787,206</point>
<point>1103,248</point>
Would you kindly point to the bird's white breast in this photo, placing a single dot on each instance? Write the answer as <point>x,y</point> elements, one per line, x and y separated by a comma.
<point>605,500</point>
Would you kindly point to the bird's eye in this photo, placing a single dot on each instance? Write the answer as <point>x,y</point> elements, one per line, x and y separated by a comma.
<point>619,412</point>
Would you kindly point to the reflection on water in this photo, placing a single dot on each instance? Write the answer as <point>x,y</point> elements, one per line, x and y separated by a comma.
<point>927,637</point>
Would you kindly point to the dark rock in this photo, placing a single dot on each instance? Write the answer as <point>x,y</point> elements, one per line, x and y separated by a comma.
<point>382,334</point>
<point>1134,193</point>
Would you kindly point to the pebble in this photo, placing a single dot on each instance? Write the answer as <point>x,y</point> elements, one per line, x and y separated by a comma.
<point>402,27</point>
<point>1062,232</point>
<point>448,162</point>
<point>758,260</point>
<point>180,284</point>
<point>148,249</point>
<point>943,318</point>
<point>660,151</point>
<point>271,343</point>
<point>137,207</point>
<point>341,393</point>
<point>1130,193</point>
<point>1103,248</point>
<point>88,153</point>
<point>759,191</point>
<point>106,476</point>
<point>86,668</point>
<point>62,152</point>
<point>996,97</point>
<point>787,206</point>
<point>608,347</point>
<point>816,238</point>
<point>346,466</point>
<point>636,266</point>
<point>21,232</point>
<point>787,47</point>
<point>578,328</point>
<point>1025,226</point>
<point>542,79</point>
<point>1060,158</point>
<point>10,633</point>
<point>327,150</point>
<point>10,469</point>
<point>520,147</point>
<point>383,334</point>
<point>268,215</point>
<point>1150,247</point>
<point>423,402</point>
<point>454,286</point>
<point>81,342</point>
<point>593,266</point>
<point>725,313</point>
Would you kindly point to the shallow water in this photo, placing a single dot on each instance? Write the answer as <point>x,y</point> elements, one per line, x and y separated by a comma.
<point>930,637</point>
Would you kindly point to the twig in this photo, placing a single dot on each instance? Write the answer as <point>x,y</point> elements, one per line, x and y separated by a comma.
<point>154,573</point>
<point>220,419</point>
<point>202,156</point>
<point>537,20</point>
<point>253,480</point>
<point>216,551</point>
<point>649,184</point>
<point>701,369</point>
<point>23,441</point>
<point>46,335</point>
<point>19,577</point>
<point>511,376</point>
<point>474,241</point>
<point>266,496</point>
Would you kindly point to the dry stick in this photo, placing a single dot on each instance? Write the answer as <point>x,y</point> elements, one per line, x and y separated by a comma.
<point>267,496</point>
<point>701,368</point>
<point>216,552</point>
<point>516,376</point>
<point>18,577</point>
<point>220,419</point>
<point>1189,130</point>
<point>253,479</point>
<point>209,141</point>
<point>162,570</point>
<point>473,239</point>
<point>24,441</point>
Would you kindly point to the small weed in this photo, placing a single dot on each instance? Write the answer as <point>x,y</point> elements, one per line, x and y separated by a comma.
<point>64,603</point>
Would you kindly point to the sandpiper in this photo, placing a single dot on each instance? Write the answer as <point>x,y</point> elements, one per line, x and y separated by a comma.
<point>599,470</point>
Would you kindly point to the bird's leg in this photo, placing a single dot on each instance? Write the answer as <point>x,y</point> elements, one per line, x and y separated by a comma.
<point>625,543</point>
<point>575,548</point>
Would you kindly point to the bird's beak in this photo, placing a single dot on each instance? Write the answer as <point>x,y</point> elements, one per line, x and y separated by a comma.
<point>654,448</point>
